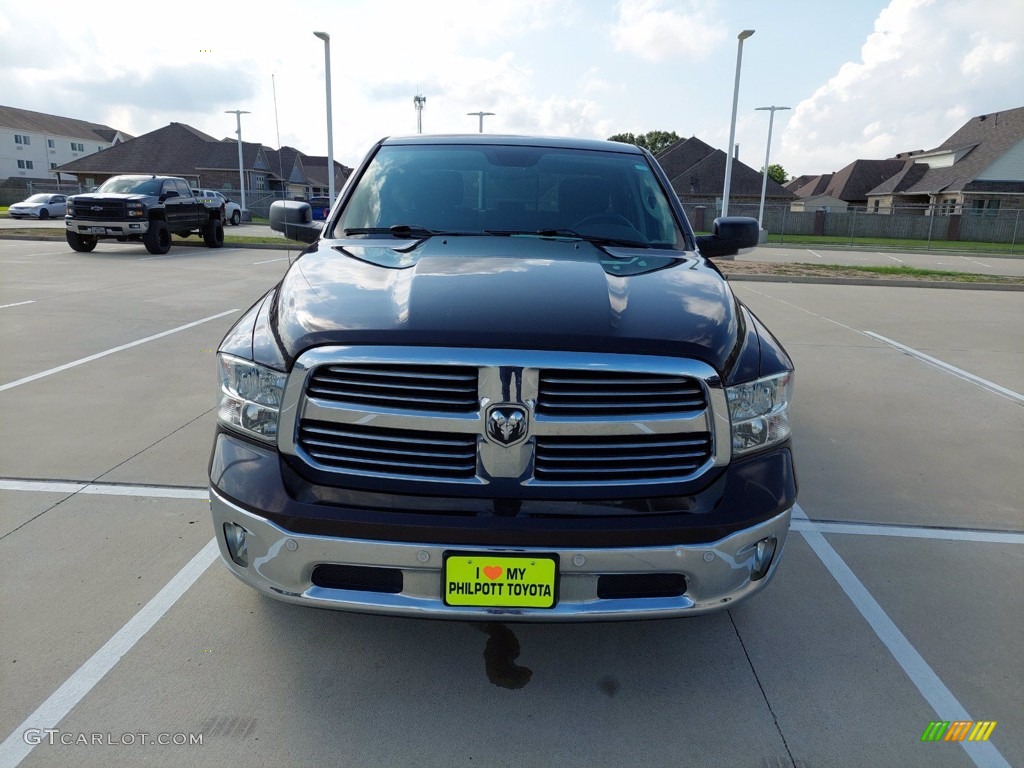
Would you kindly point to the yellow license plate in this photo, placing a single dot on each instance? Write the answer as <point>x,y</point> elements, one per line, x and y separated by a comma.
<point>506,581</point>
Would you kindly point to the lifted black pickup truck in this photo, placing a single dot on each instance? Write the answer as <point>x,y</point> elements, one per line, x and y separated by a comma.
<point>147,209</point>
<point>504,381</point>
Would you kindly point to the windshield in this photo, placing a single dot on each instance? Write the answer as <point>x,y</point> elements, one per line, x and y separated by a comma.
<point>513,190</point>
<point>38,199</point>
<point>131,185</point>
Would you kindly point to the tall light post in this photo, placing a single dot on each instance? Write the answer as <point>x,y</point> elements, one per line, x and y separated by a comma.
<point>732,123</point>
<point>330,126</point>
<point>767,152</point>
<point>241,169</point>
<point>481,115</point>
<point>419,101</point>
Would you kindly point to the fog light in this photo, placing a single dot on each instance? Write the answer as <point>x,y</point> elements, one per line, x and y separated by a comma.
<point>764,552</point>
<point>238,545</point>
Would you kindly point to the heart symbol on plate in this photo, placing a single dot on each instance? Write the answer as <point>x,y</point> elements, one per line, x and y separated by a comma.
<point>492,572</point>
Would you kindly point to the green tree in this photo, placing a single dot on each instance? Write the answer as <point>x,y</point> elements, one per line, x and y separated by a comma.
<point>776,173</point>
<point>653,141</point>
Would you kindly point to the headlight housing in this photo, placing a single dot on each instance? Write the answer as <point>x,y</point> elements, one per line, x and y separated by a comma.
<point>136,209</point>
<point>759,411</point>
<point>250,397</point>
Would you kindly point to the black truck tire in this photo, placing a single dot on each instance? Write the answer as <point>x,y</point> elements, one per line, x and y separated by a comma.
<point>158,238</point>
<point>80,243</point>
<point>213,233</point>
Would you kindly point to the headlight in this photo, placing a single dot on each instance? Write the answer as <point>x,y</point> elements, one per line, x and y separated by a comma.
<point>760,412</point>
<point>136,209</point>
<point>250,398</point>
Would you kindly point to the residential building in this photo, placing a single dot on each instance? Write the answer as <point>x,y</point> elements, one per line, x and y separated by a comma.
<point>178,149</point>
<point>34,144</point>
<point>849,185</point>
<point>696,171</point>
<point>979,169</point>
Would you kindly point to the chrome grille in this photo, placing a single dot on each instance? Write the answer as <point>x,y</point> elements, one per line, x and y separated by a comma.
<point>108,209</point>
<point>410,453</point>
<point>438,388</point>
<point>584,394</point>
<point>620,459</point>
<point>410,414</point>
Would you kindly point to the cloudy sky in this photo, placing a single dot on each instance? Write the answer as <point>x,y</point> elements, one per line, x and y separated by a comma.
<point>864,78</point>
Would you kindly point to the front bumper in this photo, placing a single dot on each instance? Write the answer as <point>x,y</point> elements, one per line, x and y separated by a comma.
<point>108,228</point>
<point>281,565</point>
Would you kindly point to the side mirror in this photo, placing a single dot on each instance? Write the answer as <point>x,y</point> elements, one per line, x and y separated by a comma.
<point>168,195</point>
<point>294,220</point>
<point>731,235</point>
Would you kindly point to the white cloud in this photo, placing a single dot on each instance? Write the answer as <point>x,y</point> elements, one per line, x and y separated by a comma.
<point>928,66</point>
<point>654,32</point>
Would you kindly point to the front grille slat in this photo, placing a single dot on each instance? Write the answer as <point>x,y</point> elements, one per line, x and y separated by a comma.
<point>600,459</point>
<point>431,388</point>
<point>596,394</point>
<point>404,453</point>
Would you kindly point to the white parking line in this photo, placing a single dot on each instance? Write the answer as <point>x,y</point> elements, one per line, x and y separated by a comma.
<point>17,304</point>
<point>983,753</point>
<point>270,261</point>
<point>904,531</point>
<point>889,256</point>
<point>958,372</point>
<point>104,489</point>
<point>813,253</point>
<point>98,355</point>
<point>14,748</point>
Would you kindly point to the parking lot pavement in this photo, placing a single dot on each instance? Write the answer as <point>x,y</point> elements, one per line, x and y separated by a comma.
<point>897,603</point>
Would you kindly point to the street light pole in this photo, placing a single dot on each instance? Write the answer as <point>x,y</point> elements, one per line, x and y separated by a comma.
<point>767,152</point>
<point>732,123</point>
<point>481,115</point>
<point>241,169</point>
<point>330,127</point>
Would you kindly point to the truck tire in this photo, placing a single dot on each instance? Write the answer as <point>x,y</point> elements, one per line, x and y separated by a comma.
<point>158,238</point>
<point>213,233</point>
<point>80,243</point>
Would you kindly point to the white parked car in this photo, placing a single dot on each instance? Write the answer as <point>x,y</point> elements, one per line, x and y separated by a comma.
<point>232,210</point>
<point>41,206</point>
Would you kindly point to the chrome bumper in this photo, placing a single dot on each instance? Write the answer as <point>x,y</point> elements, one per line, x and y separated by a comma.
<point>107,228</point>
<point>281,563</point>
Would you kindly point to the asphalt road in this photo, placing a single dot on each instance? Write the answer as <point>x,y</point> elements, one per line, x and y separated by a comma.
<point>898,601</point>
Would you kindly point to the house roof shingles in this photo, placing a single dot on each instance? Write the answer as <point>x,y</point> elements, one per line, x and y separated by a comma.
<point>39,122</point>
<point>982,140</point>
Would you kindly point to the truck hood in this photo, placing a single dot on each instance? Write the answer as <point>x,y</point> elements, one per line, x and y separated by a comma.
<point>506,292</point>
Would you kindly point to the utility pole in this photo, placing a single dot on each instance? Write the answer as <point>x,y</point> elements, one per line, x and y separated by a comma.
<point>419,100</point>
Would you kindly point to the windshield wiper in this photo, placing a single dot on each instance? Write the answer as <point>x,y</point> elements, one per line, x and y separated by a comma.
<point>573,234</point>
<point>406,230</point>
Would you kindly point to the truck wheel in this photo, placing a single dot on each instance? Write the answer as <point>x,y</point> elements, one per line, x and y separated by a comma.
<point>157,239</point>
<point>213,233</point>
<point>80,243</point>
<point>236,218</point>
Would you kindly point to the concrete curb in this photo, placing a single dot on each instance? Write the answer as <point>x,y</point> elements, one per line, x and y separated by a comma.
<point>906,283</point>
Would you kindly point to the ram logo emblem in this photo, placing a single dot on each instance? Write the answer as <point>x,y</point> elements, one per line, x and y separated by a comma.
<point>506,424</point>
